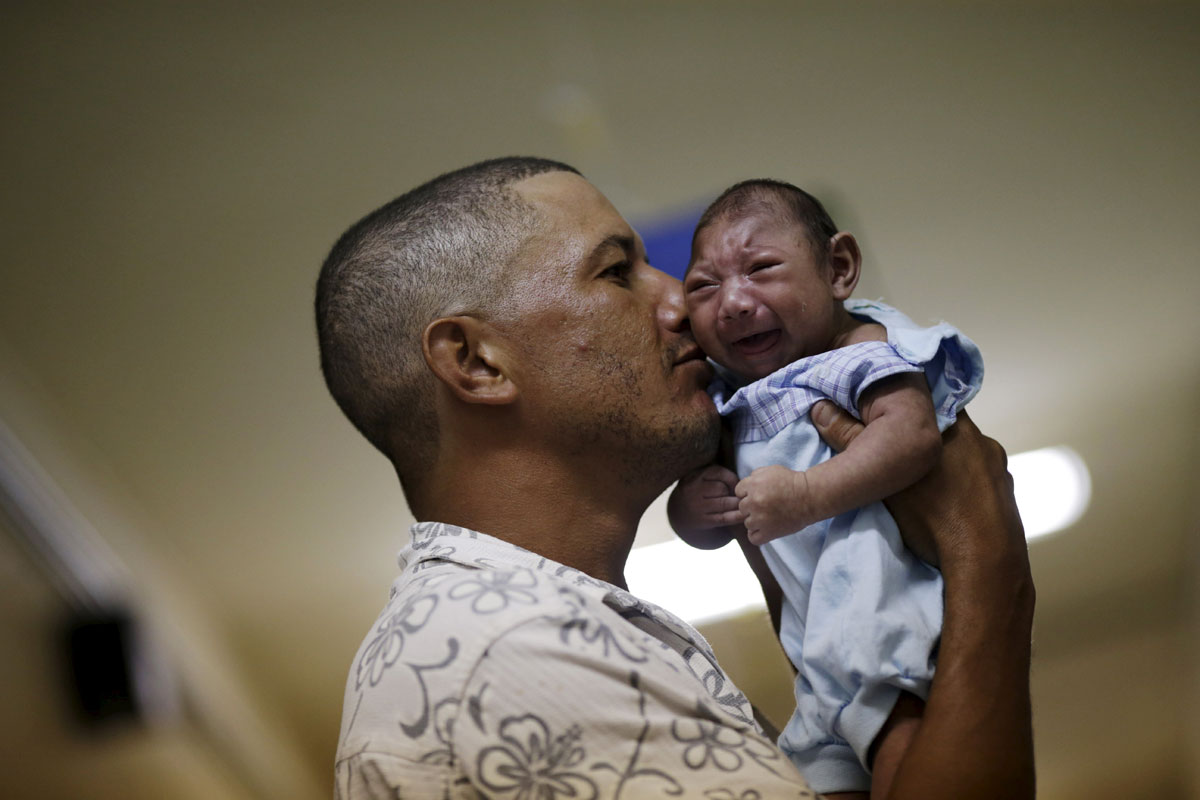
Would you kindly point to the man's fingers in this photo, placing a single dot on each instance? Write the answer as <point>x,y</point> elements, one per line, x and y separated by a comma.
<point>720,476</point>
<point>836,427</point>
<point>969,489</point>
<point>730,517</point>
<point>717,488</point>
<point>719,505</point>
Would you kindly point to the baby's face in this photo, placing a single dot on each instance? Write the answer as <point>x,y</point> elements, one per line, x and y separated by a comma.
<point>757,298</point>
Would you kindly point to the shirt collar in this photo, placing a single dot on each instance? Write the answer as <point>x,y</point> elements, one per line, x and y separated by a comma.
<point>441,541</point>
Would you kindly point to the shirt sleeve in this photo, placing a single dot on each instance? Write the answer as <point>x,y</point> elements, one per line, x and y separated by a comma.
<point>843,375</point>
<point>571,709</point>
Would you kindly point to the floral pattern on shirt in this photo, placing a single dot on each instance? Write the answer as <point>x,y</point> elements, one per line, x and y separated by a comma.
<point>494,672</point>
<point>388,643</point>
<point>532,764</point>
<point>494,591</point>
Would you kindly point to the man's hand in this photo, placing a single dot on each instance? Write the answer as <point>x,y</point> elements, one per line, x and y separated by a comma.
<point>968,493</point>
<point>703,506</point>
<point>775,502</point>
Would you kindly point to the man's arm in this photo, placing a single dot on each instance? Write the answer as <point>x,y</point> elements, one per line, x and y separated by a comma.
<point>976,737</point>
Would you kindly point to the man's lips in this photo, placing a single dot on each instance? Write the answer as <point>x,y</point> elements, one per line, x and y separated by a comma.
<point>692,356</point>
<point>690,352</point>
<point>756,343</point>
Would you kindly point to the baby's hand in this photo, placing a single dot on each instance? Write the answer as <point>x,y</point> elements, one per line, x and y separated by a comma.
<point>775,501</point>
<point>704,500</point>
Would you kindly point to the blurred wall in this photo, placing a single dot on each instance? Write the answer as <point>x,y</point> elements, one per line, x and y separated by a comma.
<point>174,175</point>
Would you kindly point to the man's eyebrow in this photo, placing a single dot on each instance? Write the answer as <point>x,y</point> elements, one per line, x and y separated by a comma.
<point>622,241</point>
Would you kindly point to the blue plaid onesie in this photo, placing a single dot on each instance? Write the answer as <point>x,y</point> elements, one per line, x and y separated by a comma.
<point>861,614</point>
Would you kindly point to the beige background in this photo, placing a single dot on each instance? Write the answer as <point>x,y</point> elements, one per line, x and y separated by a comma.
<point>174,176</point>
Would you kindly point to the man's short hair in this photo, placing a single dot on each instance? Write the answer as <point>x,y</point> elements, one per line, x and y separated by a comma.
<point>438,250</point>
<point>767,195</point>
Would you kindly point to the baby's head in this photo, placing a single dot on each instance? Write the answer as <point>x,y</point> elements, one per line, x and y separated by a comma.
<point>767,277</point>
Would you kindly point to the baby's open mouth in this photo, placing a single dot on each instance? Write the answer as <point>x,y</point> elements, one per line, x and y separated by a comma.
<point>756,343</point>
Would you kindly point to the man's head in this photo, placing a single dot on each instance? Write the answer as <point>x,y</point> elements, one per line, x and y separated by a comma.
<point>441,249</point>
<point>605,359</point>
<point>767,277</point>
<point>511,296</point>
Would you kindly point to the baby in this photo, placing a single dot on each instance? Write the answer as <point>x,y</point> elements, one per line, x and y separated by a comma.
<point>768,291</point>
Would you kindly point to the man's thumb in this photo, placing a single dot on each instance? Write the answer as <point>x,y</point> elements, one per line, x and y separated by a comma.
<point>835,426</point>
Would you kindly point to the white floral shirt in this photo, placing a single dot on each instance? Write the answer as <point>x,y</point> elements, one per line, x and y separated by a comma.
<point>495,673</point>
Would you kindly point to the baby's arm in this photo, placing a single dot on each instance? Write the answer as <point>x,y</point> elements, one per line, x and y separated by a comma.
<point>703,509</point>
<point>900,443</point>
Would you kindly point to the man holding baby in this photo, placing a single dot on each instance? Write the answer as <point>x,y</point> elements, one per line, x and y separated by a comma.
<point>499,335</point>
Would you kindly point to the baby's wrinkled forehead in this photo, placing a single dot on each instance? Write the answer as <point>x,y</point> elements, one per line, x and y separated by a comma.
<point>766,209</point>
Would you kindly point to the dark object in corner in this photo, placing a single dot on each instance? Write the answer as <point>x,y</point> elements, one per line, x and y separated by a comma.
<point>100,650</point>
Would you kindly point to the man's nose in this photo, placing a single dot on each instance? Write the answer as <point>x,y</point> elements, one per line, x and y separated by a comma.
<point>671,308</point>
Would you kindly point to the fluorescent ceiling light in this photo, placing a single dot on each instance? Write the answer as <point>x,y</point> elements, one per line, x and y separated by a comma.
<point>1052,486</point>
<point>698,585</point>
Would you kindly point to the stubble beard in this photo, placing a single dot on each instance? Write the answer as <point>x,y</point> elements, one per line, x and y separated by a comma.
<point>649,448</point>
<point>648,456</point>
<point>687,444</point>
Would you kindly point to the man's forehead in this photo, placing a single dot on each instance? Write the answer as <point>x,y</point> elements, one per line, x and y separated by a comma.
<point>574,213</point>
<point>568,199</point>
<point>555,183</point>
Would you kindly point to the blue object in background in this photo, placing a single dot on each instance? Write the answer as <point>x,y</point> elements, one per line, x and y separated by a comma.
<point>669,240</point>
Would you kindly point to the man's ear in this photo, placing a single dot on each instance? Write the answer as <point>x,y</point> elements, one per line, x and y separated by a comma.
<point>846,261</point>
<point>467,356</point>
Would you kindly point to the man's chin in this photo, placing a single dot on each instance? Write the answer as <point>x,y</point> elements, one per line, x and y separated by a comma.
<point>665,455</point>
<point>707,440</point>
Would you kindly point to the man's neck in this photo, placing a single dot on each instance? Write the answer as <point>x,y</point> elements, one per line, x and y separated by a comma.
<point>545,507</point>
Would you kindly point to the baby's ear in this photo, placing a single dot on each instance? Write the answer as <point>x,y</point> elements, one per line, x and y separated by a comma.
<point>845,260</point>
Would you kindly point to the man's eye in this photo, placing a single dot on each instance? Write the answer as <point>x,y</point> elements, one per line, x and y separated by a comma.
<point>618,272</point>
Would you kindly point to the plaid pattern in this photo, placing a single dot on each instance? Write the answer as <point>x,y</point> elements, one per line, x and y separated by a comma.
<point>765,407</point>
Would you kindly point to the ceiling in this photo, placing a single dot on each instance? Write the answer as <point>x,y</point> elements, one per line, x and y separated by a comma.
<point>174,177</point>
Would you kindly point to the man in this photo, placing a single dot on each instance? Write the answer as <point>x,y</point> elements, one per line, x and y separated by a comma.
<point>500,336</point>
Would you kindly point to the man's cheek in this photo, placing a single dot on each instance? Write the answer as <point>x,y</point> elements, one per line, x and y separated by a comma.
<point>702,330</point>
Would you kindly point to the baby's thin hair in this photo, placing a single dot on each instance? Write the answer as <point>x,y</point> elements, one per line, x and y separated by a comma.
<point>773,196</point>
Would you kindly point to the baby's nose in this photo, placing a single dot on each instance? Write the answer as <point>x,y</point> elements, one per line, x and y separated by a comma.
<point>736,303</point>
